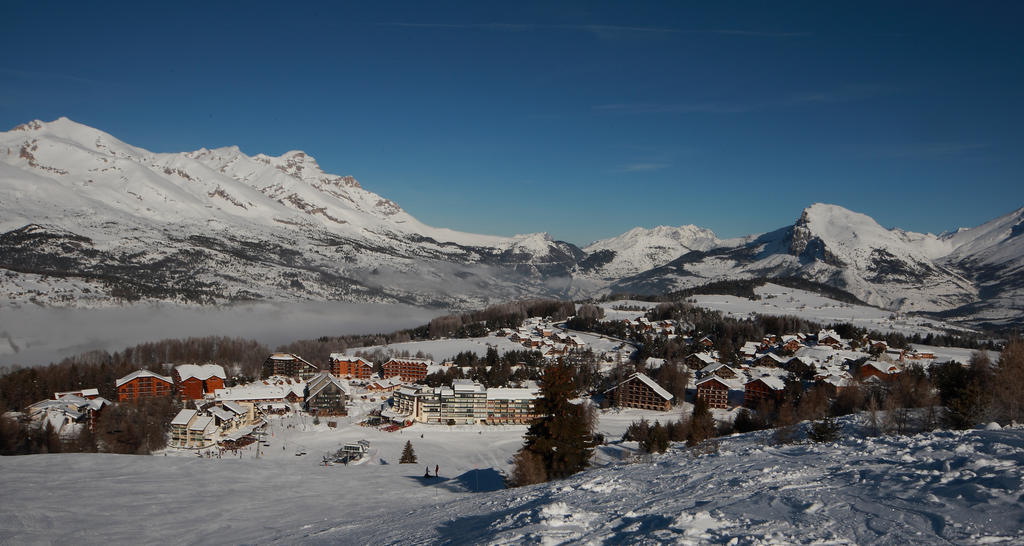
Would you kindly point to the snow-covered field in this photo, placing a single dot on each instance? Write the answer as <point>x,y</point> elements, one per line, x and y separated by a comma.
<point>780,300</point>
<point>32,335</point>
<point>960,487</point>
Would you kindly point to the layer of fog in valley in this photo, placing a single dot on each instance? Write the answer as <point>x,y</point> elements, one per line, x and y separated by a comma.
<point>32,336</point>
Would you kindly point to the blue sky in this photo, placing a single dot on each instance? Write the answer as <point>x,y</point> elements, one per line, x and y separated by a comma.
<point>579,120</point>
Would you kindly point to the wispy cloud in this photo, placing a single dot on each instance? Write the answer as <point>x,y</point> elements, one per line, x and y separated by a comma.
<point>643,167</point>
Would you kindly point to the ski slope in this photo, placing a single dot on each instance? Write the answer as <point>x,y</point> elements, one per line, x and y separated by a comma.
<point>960,487</point>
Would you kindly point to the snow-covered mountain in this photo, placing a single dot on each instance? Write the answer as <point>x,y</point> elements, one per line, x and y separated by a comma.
<point>890,268</point>
<point>86,219</point>
<point>640,249</point>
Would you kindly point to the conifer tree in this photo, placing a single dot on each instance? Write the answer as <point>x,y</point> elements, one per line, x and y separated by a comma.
<point>560,443</point>
<point>408,455</point>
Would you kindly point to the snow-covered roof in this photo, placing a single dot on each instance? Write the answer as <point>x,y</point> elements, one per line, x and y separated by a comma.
<point>466,385</point>
<point>234,407</point>
<point>183,417</point>
<point>775,383</point>
<point>409,391</point>
<point>318,384</point>
<point>201,422</point>
<point>650,383</point>
<point>704,357</point>
<point>141,373</point>
<point>511,394</point>
<point>716,379</point>
<point>883,367</point>
<point>201,372</point>
<point>97,403</point>
<point>714,367</point>
<point>85,393</point>
<point>221,413</point>
<point>262,390</point>
<point>350,358</point>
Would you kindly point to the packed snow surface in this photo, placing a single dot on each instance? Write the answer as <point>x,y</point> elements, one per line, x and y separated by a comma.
<point>959,487</point>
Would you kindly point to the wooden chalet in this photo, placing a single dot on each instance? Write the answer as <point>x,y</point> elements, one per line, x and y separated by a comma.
<point>407,369</point>
<point>143,384</point>
<point>719,369</point>
<point>327,395</point>
<point>640,391</point>
<point>880,370</point>
<point>769,360</point>
<point>835,385</point>
<point>194,380</point>
<point>350,367</point>
<point>829,337</point>
<point>762,389</point>
<point>288,365</point>
<point>699,361</point>
<point>715,391</point>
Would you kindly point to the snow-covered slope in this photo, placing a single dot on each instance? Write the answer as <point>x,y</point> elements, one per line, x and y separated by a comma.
<point>942,487</point>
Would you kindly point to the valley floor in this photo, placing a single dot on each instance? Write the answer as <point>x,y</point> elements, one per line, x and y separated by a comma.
<point>960,487</point>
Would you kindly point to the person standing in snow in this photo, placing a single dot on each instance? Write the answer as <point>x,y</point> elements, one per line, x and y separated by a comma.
<point>435,470</point>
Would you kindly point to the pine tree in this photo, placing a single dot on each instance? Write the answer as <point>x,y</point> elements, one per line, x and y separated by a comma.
<point>561,442</point>
<point>408,455</point>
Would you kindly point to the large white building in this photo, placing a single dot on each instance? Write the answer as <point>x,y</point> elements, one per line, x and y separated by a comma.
<point>464,403</point>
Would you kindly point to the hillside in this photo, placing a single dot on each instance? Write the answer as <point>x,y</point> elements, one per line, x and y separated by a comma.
<point>961,487</point>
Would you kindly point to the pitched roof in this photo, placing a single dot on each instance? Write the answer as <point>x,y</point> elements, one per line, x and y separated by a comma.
<point>325,380</point>
<point>773,382</point>
<point>716,379</point>
<point>201,372</point>
<point>141,373</point>
<point>350,358</point>
<point>649,382</point>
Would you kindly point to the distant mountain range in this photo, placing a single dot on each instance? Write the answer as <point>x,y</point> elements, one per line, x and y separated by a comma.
<point>87,220</point>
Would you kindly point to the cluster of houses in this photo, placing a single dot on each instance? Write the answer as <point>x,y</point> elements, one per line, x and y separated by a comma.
<point>216,414</point>
<point>68,412</point>
<point>760,375</point>
<point>540,335</point>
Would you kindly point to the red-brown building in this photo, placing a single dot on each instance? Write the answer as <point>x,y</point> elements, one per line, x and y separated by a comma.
<point>881,370</point>
<point>143,384</point>
<point>195,380</point>
<point>350,367</point>
<point>762,389</point>
<point>640,391</point>
<point>407,369</point>
<point>715,391</point>
<point>289,365</point>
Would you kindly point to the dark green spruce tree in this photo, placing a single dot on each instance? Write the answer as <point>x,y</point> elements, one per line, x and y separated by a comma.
<point>560,443</point>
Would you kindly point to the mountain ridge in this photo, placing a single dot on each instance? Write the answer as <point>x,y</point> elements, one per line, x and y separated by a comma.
<point>88,219</point>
